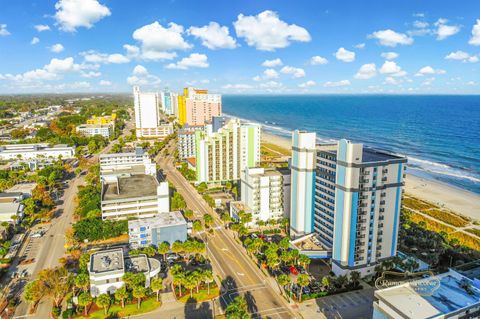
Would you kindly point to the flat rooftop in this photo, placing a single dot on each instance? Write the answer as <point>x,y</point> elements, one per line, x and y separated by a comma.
<point>160,220</point>
<point>137,264</point>
<point>470,270</point>
<point>140,185</point>
<point>448,298</point>
<point>107,260</point>
<point>374,155</point>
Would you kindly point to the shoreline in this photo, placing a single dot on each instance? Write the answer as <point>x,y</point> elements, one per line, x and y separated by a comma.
<point>459,201</point>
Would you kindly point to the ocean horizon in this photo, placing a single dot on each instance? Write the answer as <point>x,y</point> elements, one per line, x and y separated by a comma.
<point>440,134</point>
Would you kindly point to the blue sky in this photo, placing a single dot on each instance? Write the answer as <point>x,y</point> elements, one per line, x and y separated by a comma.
<point>248,46</point>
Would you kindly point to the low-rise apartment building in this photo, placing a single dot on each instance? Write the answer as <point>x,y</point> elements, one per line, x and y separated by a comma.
<point>165,227</point>
<point>119,163</point>
<point>107,267</point>
<point>266,192</point>
<point>36,151</point>
<point>105,130</point>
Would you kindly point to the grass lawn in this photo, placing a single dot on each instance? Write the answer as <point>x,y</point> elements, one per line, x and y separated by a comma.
<point>147,305</point>
<point>270,149</point>
<point>475,231</point>
<point>201,296</point>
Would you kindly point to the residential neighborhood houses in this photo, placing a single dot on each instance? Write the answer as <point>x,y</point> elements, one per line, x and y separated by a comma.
<point>162,201</point>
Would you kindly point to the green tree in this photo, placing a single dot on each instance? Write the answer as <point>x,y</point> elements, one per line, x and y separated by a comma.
<point>163,249</point>
<point>82,281</point>
<point>32,293</point>
<point>139,292</point>
<point>354,278</point>
<point>121,294</point>
<point>188,214</point>
<point>302,281</point>
<point>179,280</point>
<point>326,282</point>
<point>190,283</point>
<point>177,247</point>
<point>157,284</point>
<point>284,280</point>
<point>149,251</point>
<point>208,278</point>
<point>202,187</point>
<point>132,280</point>
<point>237,309</point>
<point>226,218</point>
<point>208,220</point>
<point>304,260</point>
<point>103,301</point>
<point>197,226</point>
<point>84,300</point>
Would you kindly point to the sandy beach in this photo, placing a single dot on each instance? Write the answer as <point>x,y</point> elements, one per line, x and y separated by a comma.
<point>455,199</point>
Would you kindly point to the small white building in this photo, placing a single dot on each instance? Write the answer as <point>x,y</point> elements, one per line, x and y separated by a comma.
<point>266,192</point>
<point>118,163</point>
<point>36,151</point>
<point>105,130</point>
<point>107,268</point>
<point>11,205</point>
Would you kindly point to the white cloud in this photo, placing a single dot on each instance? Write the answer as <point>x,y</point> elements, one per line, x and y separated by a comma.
<point>52,71</point>
<point>366,71</point>
<point>360,46</point>
<point>132,50</point>
<point>141,76</point>
<point>239,86</point>
<point>318,60</point>
<point>267,32</point>
<point>330,84</point>
<point>272,63</point>
<point>271,85</point>
<point>295,72</point>
<point>344,55</point>
<point>429,70</point>
<point>3,30</point>
<point>475,39</point>
<point>214,36</point>
<point>79,85</point>
<point>389,55</point>
<point>307,84</point>
<point>90,74</point>
<point>391,38</point>
<point>420,24</point>
<point>34,41</point>
<point>195,60</point>
<point>158,42</point>
<point>444,31</point>
<point>462,56</point>
<point>42,27</point>
<point>97,57</point>
<point>392,80</point>
<point>270,74</point>
<point>105,83</point>
<point>73,14</point>
<point>57,48</point>
<point>391,68</point>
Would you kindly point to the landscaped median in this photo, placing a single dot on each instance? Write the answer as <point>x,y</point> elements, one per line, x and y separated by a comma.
<point>116,311</point>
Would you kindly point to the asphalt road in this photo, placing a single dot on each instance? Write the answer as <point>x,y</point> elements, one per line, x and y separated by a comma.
<point>238,272</point>
<point>52,243</point>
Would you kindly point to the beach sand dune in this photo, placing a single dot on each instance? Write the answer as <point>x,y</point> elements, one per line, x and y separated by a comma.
<point>455,199</point>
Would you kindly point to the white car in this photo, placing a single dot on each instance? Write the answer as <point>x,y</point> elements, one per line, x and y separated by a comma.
<point>36,235</point>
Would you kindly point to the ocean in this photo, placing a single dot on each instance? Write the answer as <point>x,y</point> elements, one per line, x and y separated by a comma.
<point>439,134</point>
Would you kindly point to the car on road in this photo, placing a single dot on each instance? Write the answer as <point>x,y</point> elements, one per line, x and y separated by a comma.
<point>37,234</point>
<point>294,270</point>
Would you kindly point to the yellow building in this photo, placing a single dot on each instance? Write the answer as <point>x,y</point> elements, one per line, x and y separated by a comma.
<point>102,120</point>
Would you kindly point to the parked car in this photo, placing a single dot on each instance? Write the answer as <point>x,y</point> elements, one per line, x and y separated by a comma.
<point>306,291</point>
<point>294,270</point>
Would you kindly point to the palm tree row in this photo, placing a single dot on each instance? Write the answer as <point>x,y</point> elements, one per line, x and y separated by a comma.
<point>191,279</point>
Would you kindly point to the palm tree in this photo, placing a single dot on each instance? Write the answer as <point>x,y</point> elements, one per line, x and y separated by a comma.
<point>285,222</point>
<point>157,284</point>
<point>121,294</point>
<point>237,309</point>
<point>226,219</point>
<point>197,226</point>
<point>190,283</point>
<point>304,260</point>
<point>103,301</point>
<point>208,220</point>
<point>354,277</point>
<point>341,281</point>
<point>208,278</point>
<point>82,281</point>
<point>139,292</point>
<point>326,282</point>
<point>284,280</point>
<point>179,280</point>
<point>84,300</point>
<point>163,249</point>
<point>32,292</point>
<point>302,281</point>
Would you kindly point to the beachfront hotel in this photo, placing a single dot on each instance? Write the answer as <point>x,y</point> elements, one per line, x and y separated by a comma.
<point>266,192</point>
<point>197,107</point>
<point>355,207</point>
<point>147,115</point>
<point>169,102</point>
<point>222,156</point>
<point>303,175</point>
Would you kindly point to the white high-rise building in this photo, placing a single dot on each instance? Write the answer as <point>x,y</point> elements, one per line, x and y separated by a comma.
<point>147,106</point>
<point>266,192</point>
<point>223,155</point>
<point>303,175</point>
